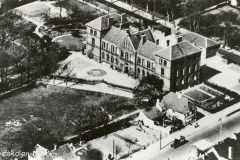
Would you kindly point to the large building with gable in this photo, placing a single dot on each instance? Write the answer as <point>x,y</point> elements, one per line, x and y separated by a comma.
<point>155,49</point>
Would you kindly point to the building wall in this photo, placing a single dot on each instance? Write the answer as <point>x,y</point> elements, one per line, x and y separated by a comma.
<point>94,45</point>
<point>143,69</point>
<point>185,72</point>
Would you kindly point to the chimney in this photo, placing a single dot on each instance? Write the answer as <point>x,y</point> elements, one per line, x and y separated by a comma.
<point>120,26</point>
<point>230,153</point>
<point>123,18</point>
<point>110,22</point>
<point>54,147</point>
<point>144,39</point>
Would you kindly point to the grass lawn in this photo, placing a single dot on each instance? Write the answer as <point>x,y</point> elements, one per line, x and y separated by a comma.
<point>70,42</point>
<point>198,95</point>
<point>43,102</point>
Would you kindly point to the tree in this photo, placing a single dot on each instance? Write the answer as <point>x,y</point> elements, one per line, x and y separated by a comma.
<point>170,6</point>
<point>228,20</point>
<point>192,9</point>
<point>150,89</point>
<point>46,15</point>
<point>93,154</point>
<point>118,149</point>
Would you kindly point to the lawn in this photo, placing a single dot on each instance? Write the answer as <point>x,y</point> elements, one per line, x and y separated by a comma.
<point>198,95</point>
<point>43,102</point>
<point>70,42</point>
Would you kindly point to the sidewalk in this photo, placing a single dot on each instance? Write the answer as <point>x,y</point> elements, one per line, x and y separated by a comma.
<point>210,122</point>
<point>101,87</point>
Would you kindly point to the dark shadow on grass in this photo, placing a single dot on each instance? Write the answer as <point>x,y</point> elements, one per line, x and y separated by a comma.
<point>208,72</point>
<point>199,116</point>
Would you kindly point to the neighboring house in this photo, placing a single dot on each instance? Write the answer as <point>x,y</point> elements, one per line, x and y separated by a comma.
<point>207,45</point>
<point>178,106</point>
<point>172,105</point>
<point>64,152</point>
<point>128,48</point>
<point>228,149</point>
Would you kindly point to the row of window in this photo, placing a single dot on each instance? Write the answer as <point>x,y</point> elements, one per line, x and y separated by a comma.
<point>162,61</point>
<point>107,57</point>
<point>127,56</point>
<point>127,44</point>
<point>187,80</point>
<point>186,70</point>
<point>143,72</point>
<point>142,62</point>
<point>93,32</point>
<point>108,47</point>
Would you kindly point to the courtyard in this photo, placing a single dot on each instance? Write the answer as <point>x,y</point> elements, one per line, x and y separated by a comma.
<point>139,138</point>
<point>221,74</point>
<point>80,66</point>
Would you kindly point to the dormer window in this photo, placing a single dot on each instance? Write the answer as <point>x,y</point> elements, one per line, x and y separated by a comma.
<point>95,33</point>
<point>168,43</point>
<point>157,42</point>
<point>179,39</point>
<point>91,31</point>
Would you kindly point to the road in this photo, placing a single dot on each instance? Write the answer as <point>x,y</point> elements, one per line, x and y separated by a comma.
<point>209,129</point>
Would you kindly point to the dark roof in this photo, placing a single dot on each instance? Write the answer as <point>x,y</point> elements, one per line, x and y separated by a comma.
<point>148,49</point>
<point>211,156</point>
<point>152,113</point>
<point>177,104</point>
<point>161,27</point>
<point>115,36</point>
<point>230,56</point>
<point>101,23</point>
<point>136,38</point>
<point>178,51</point>
<point>199,40</point>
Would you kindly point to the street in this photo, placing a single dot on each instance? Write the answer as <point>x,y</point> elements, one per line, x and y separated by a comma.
<point>209,129</point>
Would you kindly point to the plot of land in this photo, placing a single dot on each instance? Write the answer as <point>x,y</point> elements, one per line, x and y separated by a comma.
<point>198,95</point>
<point>70,42</point>
<point>144,137</point>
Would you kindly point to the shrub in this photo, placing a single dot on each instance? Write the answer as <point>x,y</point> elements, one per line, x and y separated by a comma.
<point>76,33</point>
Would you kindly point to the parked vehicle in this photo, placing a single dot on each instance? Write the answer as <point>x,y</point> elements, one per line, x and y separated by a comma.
<point>178,142</point>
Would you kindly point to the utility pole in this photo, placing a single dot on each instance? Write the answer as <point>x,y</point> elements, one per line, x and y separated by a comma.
<point>160,139</point>
<point>220,128</point>
<point>113,149</point>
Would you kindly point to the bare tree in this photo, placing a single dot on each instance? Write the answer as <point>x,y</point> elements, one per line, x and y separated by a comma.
<point>118,149</point>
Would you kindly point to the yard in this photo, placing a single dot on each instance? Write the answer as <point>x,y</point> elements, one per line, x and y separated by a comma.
<point>198,95</point>
<point>139,137</point>
<point>53,103</point>
<point>70,42</point>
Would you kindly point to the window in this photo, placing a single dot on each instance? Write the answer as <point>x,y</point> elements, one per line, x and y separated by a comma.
<point>176,83</point>
<point>165,62</point>
<point>176,73</point>
<point>162,71</point>
<point>189,79</point>
<point>147,73</point>
<point>103,55</point>
<point>143,62</point>
<point>189,69</point>
<point>160,60</point>
<point>157,42</point>
<point>121,65</point>
<point>116,60</point>
<point>95,33</point>
<point>107,47</point>
<point>153,66</point>
<point>168,42</point>
<point>183,71</point>
<point>93,41</point>
<point>179,39</point>
<point>138,70</point>
<point>148,64</point>
<point>91,31</point>
<point>103,45</point>
<point>195,67</point>
<point>112,48</point>
<point>130,57</point>
<point>112,59</point>
<point>194,77</point>
<point>143,73</point>
<point>122,54</point>
<point>182,81</point>
<point>139,60</point>
<point>126,55</point>
<point>107,57</point>
<point>125,44</point>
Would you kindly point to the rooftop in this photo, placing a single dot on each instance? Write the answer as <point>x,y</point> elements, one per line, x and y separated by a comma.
<point>161,27</point>
<point>203,145</point>
<point>177,51</point>
<point>152,113</point>
<point>230,56</point>
<point>136,38</point>
<point>199,40</point>
<point>115,35</point>
<point>175,102</point>
<point>148,49</point>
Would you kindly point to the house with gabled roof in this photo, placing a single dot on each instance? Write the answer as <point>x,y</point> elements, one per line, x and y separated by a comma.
<point>155,49</point>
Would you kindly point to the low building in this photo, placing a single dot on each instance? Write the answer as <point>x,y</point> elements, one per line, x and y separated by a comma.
<point>229,57</point>
<point>208,46</point>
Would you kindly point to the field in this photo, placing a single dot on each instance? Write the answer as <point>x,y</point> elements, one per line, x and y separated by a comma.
<point>43,101</point>
<point>198,95</point>
<point>70,42</point>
